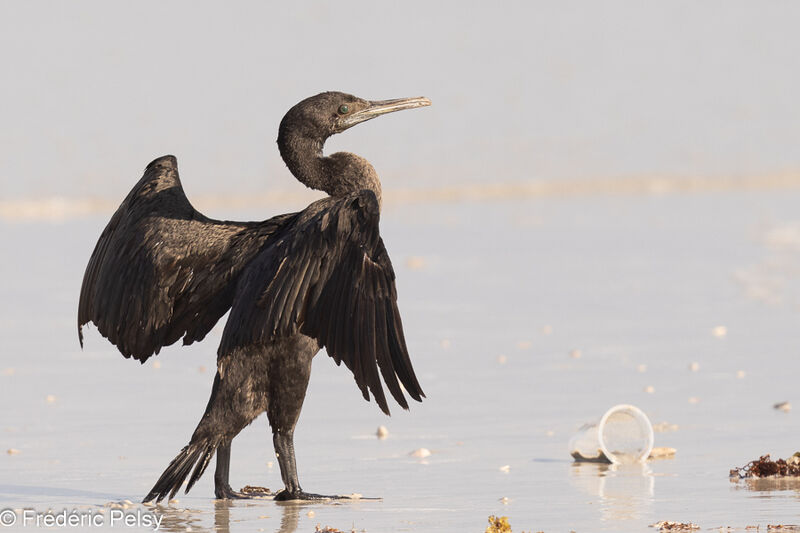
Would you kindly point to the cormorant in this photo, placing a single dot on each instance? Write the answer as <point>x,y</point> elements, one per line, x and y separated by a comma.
<point>294,284</point>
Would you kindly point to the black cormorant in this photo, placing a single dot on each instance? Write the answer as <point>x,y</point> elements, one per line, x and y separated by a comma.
<point>295,283</point>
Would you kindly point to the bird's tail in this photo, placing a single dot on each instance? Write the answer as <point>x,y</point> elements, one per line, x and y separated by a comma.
<point>196,455</point>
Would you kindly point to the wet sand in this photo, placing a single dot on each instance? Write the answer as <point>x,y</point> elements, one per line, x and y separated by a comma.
<point>525,318</point>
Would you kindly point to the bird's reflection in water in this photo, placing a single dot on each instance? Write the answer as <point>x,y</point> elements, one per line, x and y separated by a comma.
<point>178,520</point>
<point>626,491</point>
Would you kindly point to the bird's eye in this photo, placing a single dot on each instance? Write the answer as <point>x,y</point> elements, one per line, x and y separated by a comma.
<point>343,109</point>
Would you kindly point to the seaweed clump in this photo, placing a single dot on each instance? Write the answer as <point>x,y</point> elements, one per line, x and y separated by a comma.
<point>765,467</point>
<point>498,524</point>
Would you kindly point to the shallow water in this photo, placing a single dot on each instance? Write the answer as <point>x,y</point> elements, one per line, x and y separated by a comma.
<point>497,298</point>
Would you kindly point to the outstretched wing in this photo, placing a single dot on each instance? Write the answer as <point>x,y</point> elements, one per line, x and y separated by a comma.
<point>161,270</point>
<point>328,276</point>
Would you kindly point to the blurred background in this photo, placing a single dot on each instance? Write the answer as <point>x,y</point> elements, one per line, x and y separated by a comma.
<point>600,207</point>
<point>526,91</point>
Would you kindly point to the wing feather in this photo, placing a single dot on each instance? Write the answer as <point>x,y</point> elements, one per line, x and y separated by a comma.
<point>161,270</point>
<point>329,277</point>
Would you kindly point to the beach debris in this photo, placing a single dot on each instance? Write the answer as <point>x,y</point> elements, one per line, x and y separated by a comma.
<point>547,329</point>
<point>254,490</point>
<point>694,366</point>
<point>382,432</point>
<point>8,371</point>
<point>641,368</point>
<point>50,398</point>
<point>445,344</point>
<point>664,427</point>
<point>505,469</point>
<point>783,406</point>
<point>12,451</point>
<point>650,389</point>
<point>123,504</point>
<point>599,457</point>
<point>765,467</point>
<point>524,345</point>
<point>502,359</point>
<point>310,514</point>
<point>575,354</point>
<point>669,525</point>
<point>498,524</point>
<point>505,500</point>
<point>420,453</point>
<point>662,452</point>
<point>741,374</point>
<point>327,529</point>
<point>719,331</point>
<point>415,262</point>
<point>783,527</point>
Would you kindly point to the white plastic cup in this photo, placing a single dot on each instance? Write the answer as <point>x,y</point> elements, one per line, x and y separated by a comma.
<point>624,435</point>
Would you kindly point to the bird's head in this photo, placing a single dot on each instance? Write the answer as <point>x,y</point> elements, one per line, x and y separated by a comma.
<point>326,114</point>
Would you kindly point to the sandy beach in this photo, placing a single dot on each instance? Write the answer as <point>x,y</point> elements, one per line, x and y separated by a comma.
<point>682,304</point>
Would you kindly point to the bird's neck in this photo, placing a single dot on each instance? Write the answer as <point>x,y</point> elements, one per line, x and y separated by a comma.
<point>338,175</point>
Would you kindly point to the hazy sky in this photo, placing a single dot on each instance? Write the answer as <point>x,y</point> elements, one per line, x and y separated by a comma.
<point>93,90</point>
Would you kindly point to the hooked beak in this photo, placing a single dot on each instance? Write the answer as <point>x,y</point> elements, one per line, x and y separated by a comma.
<point>381,107</point>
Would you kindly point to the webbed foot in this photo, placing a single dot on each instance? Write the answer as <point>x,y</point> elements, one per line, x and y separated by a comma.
<point>285,496</point>
<point>225,492</point>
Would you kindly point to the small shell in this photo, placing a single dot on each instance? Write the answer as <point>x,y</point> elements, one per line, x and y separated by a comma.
<point>382,432</point>
<point>420,453</point>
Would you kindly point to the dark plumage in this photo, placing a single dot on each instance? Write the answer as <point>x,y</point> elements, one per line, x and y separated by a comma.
<point>295,283</point>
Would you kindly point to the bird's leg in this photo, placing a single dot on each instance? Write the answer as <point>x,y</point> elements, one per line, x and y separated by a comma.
<point>289,380</point>
<point>222,488</point>
<point>284,449</point>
